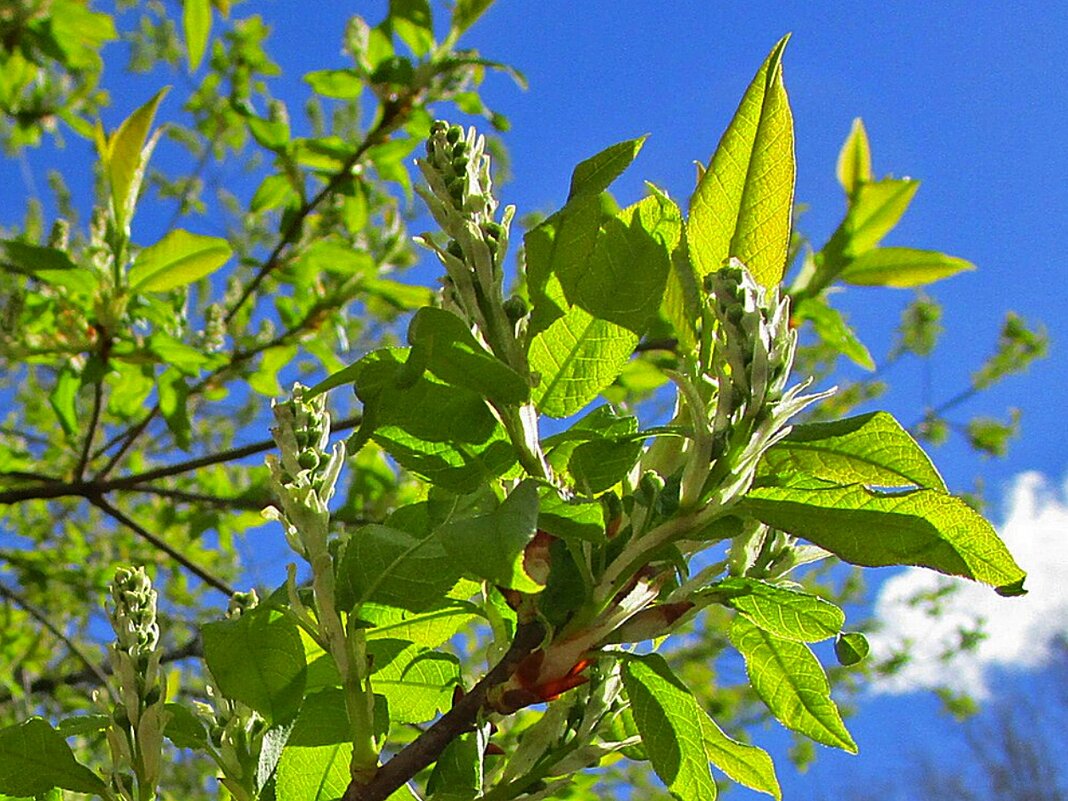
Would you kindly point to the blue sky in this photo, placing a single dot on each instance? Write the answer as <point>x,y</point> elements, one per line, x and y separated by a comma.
<point>967,97</point>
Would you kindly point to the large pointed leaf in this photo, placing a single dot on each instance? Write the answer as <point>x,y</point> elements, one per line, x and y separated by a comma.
<point>178,259</point>
<point>34,758</point>
<point>874,210</point>
<point>196,23</point>
<point>790,681</point>
<point>491,546</point>
<point>393,567</point>
<point>416,682</point>
<point>926,528</point>
<point>258,659</point>
<point>746,764</point>
<point>902,267</point>
<point>743,204</point>
<point>313,773</point>
<point>870,449</point>
<point>671,725</point>
<point>429,628</point>
<point>785,612</point>
<point>576,357</point>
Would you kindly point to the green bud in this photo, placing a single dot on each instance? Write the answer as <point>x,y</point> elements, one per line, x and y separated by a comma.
<point>515,308</point>
<point>153,696</point>
<point>308,460</point>
<point>459,164</point>
<point>438,127</point>
<point>493,230</point>
<point>122,720</point>
<point>454,248</point>
<point>454,134</point>
<point>459,149</point>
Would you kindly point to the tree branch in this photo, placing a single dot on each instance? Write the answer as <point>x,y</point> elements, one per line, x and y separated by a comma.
<point>427,747</point>
<point>198,571</point>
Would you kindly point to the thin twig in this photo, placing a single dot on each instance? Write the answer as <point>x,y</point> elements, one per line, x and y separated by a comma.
<point>90,434</point>
<point>37,614</point>
<point>203,574</point>
<point>250,504</point>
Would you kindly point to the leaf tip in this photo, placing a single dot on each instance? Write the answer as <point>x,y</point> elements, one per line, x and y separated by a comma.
<point>1013,590</point>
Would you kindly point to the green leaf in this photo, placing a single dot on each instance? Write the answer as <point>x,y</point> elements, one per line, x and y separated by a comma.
<point>491,546</point>
<point>788,613</point>
<point>925,528</point>
<point>125,155</point>
<point>265,379</point>
<point>34,758</point>
<point>874,210</point>
<point>258,659</point>
<point>393,567</point>
<point>748,765</point>
<point>196,21</point>
<point>832,328</point>
<point>596,174</point>
<point>184,728</point>
<point>274,191</point>
<point>790,681</point>
<point>50,265</point>
<point>344,84</point>
<point>604,460</point>
<point>416,682</point>
<point>271,134</point>
<point>444,343</point>
<point>870,449</point>
<point>671,725</point>
<point>624,278</point>
<point>576,357</point>
<point>466,12</point>
<point>63,399</point>
<point>457,775</point>
<point>854,159</point>
<point>851,647</point>
<point>429,628</point>
<point>743,204</point>
<point>902,267</point>
<point>313,773</point>
<point>572,519</point>
<point>178,259</point>
<point>445,434</point>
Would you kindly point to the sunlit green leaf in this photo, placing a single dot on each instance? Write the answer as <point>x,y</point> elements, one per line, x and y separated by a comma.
<point>743,205</point>
<point>429,628</point>
<point>50,265</point>
<point>64,398</point>
<point>789,679</point>
<point>926,528</point>
<point>416,682</point>
<point>596,174</point>
<point>671,725</point>
<point>125,155</point>
<point>851,647</point>
<point>345,84</point>
<point>465,12</point>
<point>178,259</point>
<point>902,267</point>
<point>789,613</point>
<point>870,449</point>
<point>258,659</point>
<point>832,328</point>
<point>411,22</point>
<point>313,773</point>
<point>746,764</point>
<point>874,210</point>
<point>458,773</point>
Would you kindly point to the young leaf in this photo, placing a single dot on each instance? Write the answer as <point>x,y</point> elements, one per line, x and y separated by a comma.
<point>416,682</point>
<point>790,681</point>
<point>411,22</point>
<point>64,397</point>
<point>576,357</point>
<point>926,528</point>
<point>832,328</point>
<point>196,22</point>
<point>787,613</point>
<point>671,725</point>
<point>851,647</point>
<point>902,267</point>
<point>491,547</point>
<point>174,406</point>
<point>748,765</point>
<point>854,160</point>
<point>34,758</point>
<point>393,567</point>
<point>258,659</point>
<point>870,449</point>
<point>465,12</point>
<point>125,155</point>
<point>344,84</point>
<point>50,265</point>
<point>178,259</point>
<point>874,210</point>
<point>743,204</point>
<point>444,343</point>
<point>596,174</point>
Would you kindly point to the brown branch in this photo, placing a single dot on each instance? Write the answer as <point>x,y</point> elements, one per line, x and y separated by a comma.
<point>427,747</point>
<point>90,489</point>
<point>90,434</point>
<point>91,667</point>
<point>249,504</point>
<point>198,571</point>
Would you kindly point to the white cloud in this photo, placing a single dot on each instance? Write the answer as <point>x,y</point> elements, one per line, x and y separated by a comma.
<point>1019,631</point>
